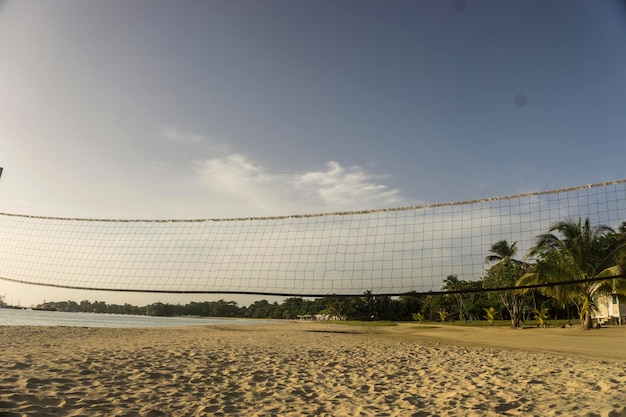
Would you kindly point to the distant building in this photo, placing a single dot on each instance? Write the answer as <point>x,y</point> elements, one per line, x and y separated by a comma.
<point>611,310</point>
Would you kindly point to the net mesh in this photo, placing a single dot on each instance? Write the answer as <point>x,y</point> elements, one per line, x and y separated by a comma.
<point>386,251</point>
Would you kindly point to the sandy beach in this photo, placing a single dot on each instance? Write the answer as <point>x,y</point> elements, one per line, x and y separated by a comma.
<point>312,369</point>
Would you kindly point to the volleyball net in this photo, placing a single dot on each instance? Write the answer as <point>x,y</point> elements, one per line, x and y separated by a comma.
<point>390,251</point>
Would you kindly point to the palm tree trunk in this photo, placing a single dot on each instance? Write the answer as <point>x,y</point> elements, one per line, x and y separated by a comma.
<point>587,322</point>
<point>586,313</point>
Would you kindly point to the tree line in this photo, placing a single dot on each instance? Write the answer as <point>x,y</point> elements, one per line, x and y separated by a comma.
<point>570,251</point>
<point>409,307</point>
<point>585,261</point>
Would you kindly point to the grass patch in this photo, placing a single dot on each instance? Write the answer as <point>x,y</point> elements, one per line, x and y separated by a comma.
<point>480,323</point>
<point>499,323</point>
<point>434,324</point>
<point>360,323</point>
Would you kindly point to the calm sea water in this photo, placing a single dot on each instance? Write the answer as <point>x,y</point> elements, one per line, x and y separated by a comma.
<point>10,317</point>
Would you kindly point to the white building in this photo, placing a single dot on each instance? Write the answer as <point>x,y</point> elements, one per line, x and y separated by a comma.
<point>610,309</point>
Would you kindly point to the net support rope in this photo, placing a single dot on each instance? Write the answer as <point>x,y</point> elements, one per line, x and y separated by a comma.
<point>391,251</point>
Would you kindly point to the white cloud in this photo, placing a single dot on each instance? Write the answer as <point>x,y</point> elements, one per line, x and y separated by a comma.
<point>249,189</point>
<point>241,187</point>
<point>340,187</point>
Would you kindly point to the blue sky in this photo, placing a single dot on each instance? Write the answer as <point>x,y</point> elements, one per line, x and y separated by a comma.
<point>160,109</point>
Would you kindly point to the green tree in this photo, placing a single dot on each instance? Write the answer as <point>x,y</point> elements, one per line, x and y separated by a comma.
<point>505,273</point>
<point>292,307</point>
<point>453,283</point>
<point>368,301</point>
<point>339,307</point>
<point>475,301</point>
<point>259,309</point>
<point>464,304</point>
<point>408,304</point>
<point>573,251</point>
<point>432,304</point>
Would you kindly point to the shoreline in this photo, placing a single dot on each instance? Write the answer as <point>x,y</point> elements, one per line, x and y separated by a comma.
<point>310,369</point>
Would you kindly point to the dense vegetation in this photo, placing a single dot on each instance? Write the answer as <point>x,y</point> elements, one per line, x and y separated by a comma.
<point>571,250</point>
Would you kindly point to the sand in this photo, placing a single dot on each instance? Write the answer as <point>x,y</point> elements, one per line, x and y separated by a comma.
<point>312,369</point>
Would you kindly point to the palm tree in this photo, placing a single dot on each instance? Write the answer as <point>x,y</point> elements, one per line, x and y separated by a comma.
<point>432,302</point>
<point>501,251</point>
<point>504,273</point>
<point>576,251</point>
<point>368,299</point>
<point>338,308</point>
<point>452,283</point>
